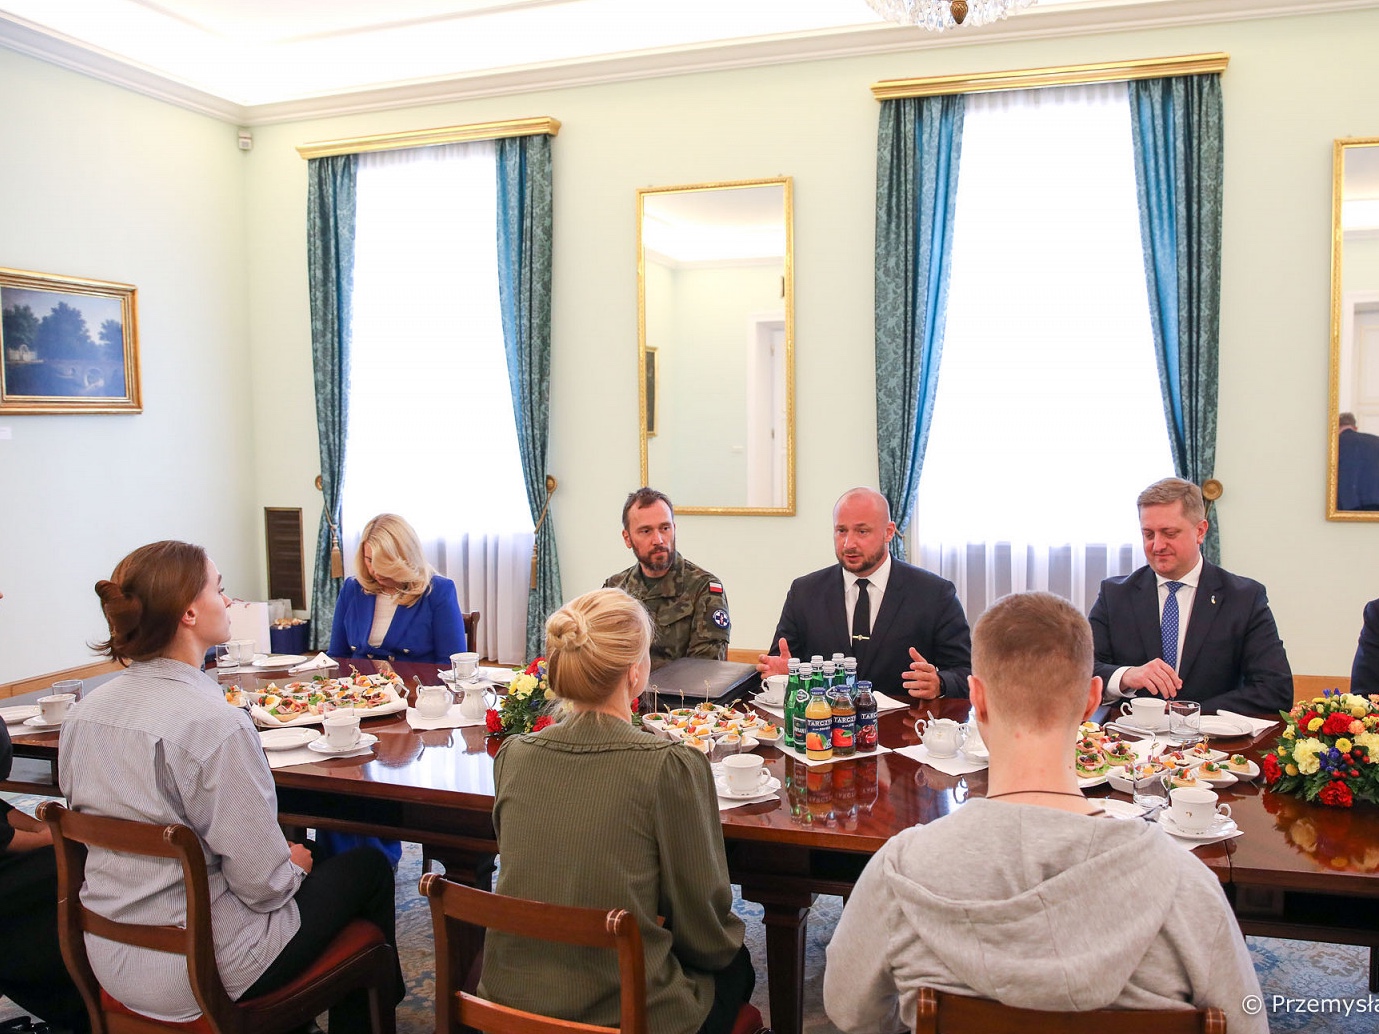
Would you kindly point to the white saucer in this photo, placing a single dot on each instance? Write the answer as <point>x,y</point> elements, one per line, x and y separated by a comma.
<point>37,722</point>
<point>278,660</point>
<point>320,746</point>
<point>15,715</point>
<point>1220,828</point>
<point>767,787</point>
<point>1148,730</point>
<point>287,739</point>
<point>1086,782</point>
<point>1225,726</point>
<point>769,700</point>
<point>1251,773</point>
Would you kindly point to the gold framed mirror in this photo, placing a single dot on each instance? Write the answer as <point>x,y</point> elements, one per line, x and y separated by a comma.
<point>716,317</point>
<point>1352,491</point>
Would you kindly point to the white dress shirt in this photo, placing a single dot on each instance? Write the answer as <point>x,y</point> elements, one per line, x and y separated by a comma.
<point>876,589</point>
<point>1187,592</point>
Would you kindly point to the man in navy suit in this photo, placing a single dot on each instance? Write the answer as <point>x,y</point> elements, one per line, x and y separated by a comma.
<point>1364,671</point>
<point>1182,627</point>
<point>904,625</point>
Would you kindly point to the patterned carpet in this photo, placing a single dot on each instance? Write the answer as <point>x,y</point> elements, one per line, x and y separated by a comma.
<point>1289,969</point>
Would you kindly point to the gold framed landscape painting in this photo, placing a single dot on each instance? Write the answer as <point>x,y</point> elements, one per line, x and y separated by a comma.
<point>69,345</point>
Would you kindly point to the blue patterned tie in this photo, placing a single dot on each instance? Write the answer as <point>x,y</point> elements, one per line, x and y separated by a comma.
<point>1168,625</point>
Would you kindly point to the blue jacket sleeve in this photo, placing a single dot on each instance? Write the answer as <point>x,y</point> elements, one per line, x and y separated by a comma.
<point>447,625</point>
<point>339,640</point>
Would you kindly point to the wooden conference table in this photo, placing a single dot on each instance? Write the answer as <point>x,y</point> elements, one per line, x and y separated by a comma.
<point>1300,870</point>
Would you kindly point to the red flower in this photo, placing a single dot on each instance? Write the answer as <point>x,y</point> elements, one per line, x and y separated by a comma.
<point>1272,772</point>
<point>542,722</point>
<point>1306,720</point>
<point>531,668</point>
<point>636,704</point>
<point>1337,795</point>
<point>493,721</point>
<point>1337,724</point>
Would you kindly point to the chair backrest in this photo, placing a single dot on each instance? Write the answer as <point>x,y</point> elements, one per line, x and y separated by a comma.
<point>459,916</point>
<point>73,834</point>
<point>938,1012</point>
<point>1305,687</point>
<point>471,630</point>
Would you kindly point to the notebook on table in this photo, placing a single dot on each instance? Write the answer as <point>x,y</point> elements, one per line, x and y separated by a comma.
<point>694,679</point>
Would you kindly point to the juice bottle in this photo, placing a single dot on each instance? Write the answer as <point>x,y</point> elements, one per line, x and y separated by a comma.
<point>865,737</point>
<point>818,727</point>
<point>844,723</point>
<point>850,677</point>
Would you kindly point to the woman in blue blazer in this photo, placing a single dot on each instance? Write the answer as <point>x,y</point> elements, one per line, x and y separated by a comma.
<point>396,609</point>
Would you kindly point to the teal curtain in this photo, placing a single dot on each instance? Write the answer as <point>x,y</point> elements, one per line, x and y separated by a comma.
<point>1178,165</point>
<point>919,146</point>
<point>330,268</point>
<point>524,284</point>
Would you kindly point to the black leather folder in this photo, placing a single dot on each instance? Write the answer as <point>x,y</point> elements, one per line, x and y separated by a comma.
<point>693,679</point>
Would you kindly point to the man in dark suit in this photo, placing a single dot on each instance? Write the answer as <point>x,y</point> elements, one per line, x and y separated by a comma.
<point>1364,672</point>
<point>1357,466</point>
<point>1182,627</point>
<point>904,625</point>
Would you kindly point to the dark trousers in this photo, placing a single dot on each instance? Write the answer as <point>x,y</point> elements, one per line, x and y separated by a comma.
<point>355,885</point>
<point>732,989</point>
<point>32,972</point>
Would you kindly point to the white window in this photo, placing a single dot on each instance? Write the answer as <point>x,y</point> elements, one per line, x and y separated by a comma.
<point>430,432</point>
<point>1048,419</point>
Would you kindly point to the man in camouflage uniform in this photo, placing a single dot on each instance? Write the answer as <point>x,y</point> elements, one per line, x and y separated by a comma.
<point>687,604</point>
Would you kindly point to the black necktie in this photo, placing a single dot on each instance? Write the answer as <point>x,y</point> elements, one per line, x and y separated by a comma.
<point>861,614</point>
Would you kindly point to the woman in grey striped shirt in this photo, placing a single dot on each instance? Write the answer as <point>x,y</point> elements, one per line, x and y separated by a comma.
<point>159,744</point>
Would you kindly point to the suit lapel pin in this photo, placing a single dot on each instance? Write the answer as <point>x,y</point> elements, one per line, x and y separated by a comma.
<point>1213,599</point>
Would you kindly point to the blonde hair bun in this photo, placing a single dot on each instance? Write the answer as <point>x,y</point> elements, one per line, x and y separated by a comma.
<point>592,641</point>
<point>567,630</point>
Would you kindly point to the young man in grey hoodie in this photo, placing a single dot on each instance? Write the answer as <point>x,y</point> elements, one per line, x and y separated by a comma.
<point>1033,896</point>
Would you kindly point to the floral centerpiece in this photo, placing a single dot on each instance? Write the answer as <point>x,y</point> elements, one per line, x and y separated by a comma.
<point>529,705</point>
<point>1329,750</point>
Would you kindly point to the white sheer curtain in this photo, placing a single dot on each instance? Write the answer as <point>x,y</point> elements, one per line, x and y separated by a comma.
<point>1048,420</point>
<point>430,430</point>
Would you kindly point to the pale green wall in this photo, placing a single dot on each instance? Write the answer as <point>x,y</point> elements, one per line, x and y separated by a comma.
<point>100,182</point>
<point>1293,85</point>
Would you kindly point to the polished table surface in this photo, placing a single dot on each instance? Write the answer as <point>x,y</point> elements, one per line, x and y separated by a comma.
<point>437,788</point>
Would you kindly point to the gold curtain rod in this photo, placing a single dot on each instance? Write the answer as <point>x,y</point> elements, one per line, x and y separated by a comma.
<point>1058,75</point>
<point>432,137</point>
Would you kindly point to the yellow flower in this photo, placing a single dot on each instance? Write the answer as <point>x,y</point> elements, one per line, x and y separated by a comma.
<point>1305,755</point>
<point>1290,769</point>
<point>550,694</point>
<point>1343,745</point>
<point>1370,741</point>
<point>1315,724</point>
<point>1290,733</point>
<point>1319,700</point>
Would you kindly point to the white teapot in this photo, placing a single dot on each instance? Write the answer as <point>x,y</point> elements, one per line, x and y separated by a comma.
<point>942,737</point>
<point>475,702</point>
<point>434,701</point>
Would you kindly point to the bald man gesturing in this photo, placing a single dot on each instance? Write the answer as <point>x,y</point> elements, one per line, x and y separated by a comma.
<point>904,625</point>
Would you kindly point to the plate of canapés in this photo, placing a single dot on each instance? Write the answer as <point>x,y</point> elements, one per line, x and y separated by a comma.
<point>706,725</point>
<point>306,702</point>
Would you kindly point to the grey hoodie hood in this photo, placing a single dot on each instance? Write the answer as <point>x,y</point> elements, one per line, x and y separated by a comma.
<point>1027,925</point>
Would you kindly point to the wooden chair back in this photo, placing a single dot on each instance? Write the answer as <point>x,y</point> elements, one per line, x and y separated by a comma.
<point>1305,687</point>
<point>471,630</point>
<point>460,915</point>
<point>938,1012</point>
<point>73,834</point>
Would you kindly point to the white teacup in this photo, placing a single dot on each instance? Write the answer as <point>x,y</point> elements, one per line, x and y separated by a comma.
<point>744,772</point>
<point>464,665</point>
<point>774,693</point>
<point>242,650</point>
<point>53,709</point>
<point>1194,808</point>
<point>342,729</point>
<point>1145,712</point>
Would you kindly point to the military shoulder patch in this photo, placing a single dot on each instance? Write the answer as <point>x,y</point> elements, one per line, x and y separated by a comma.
<point>720,617</point>
<point>716,587</point>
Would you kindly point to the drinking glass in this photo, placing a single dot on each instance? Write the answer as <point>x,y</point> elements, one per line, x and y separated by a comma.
<point>1184,721</point>
<point>73,686</point>
<point>225,657</point>
<point>1150,791</point>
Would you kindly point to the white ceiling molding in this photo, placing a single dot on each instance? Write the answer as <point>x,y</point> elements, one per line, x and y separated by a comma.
<point>1095,16</point>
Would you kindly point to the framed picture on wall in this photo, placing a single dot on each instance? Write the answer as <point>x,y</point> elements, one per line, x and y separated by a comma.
<point>651,393</point>
<point>69,345</point>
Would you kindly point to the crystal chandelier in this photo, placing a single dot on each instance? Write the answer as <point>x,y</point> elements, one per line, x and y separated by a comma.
<point>938,15</point>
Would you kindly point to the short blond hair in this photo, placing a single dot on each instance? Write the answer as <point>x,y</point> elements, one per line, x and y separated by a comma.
<point>397,556</point>
<point>1175,490</point>
<point>592,641</point>
<point>1033,651</point>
